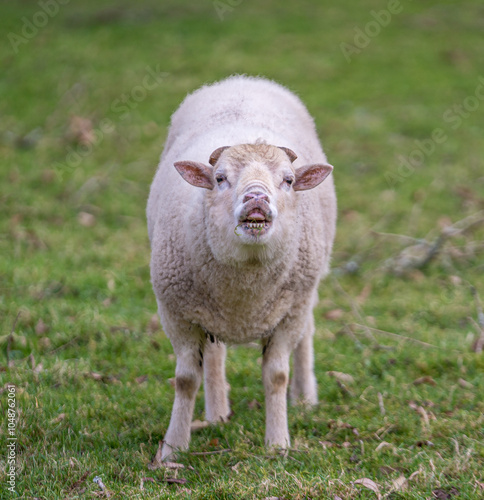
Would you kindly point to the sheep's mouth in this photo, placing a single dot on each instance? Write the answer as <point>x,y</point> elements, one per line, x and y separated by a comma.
<point>255,219</point>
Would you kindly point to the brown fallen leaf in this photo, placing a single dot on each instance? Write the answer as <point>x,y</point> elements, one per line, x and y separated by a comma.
<point>369,484</point>
<point>466,385</point>
<point>364,294</point>
<point>400,483</point>
<point>425,380</point>
<point>421,411</point>
<point>154,324</point>
<point>254,404</point>
<point>141,379</point>
<point>386,470</point>
<point>334,314</point>
<point>213,442</point>
<point>382,445</point>
<point>175,480</point>
<point>445,494</point>
<point>58,419</point>
<point>86,219</point>
<point>421,444</point>
<point>337,424</point>
<point>455,280</point>
<point>342,377</point>
<point>80,130</point>
<point>41,327</point>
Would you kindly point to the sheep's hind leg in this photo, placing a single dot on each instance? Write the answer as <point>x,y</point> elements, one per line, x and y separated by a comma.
<point>188,347</point>
<point>215,386</point>
<point>303,383</point>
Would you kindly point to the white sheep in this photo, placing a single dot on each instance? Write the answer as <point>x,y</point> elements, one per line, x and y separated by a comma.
<point>242,258</point>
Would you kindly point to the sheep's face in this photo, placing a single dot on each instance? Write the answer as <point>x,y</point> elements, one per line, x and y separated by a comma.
<point>251,205</point>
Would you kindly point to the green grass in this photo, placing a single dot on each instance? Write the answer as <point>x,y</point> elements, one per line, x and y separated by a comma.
<point>92,367</point>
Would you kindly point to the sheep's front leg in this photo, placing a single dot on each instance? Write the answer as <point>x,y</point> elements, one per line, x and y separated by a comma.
<point>215,386</point>
<point>188,348</point>
<point>303,384</point>
<point>275,374</point>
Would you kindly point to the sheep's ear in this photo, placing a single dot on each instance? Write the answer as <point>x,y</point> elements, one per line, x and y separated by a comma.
<point>195,173</point>
<point>216,155</point>
<point>292,155</point>
<point>310,176</point>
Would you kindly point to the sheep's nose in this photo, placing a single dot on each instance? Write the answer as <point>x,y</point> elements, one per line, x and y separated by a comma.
<point>256,197</point>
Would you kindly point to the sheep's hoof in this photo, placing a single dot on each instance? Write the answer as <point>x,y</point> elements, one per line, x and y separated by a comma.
<point>164,452</point>
<point>278,450</point>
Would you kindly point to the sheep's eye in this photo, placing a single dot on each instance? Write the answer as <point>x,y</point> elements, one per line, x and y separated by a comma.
<point>289,181</point>
<point>220,178</point>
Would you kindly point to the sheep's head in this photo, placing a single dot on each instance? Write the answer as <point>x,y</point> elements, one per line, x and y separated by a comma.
<point>252,198</point>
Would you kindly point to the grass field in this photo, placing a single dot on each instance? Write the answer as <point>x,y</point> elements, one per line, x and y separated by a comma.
<point>397,92</point>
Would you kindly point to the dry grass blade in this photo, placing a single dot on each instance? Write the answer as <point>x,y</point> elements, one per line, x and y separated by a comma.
<point>478,345</point>
<point>10,340</point>
<point>381,404</point>
<point>216,452</point>
<point>397,336</point>
<point>145,480</point>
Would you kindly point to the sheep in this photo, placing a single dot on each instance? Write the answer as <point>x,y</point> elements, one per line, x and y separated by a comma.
<point>239,245</point>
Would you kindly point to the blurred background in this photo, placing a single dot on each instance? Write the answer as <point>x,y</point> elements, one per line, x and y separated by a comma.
<point>87,89</point>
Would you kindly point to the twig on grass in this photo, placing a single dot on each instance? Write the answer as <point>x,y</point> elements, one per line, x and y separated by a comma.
<point>216,452</point>
<point>63,346</point>
<point>78,483</point>
<point>398,336</point>
<point>344,389</point>
<point>420,254</point>
<point>295,460</point>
